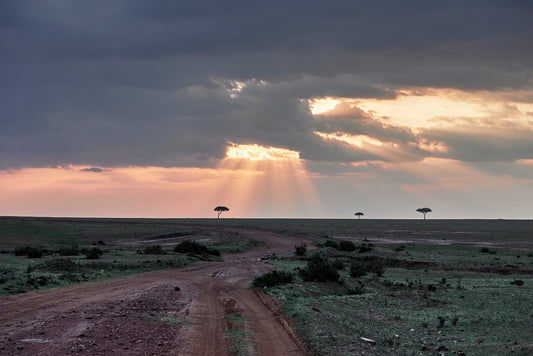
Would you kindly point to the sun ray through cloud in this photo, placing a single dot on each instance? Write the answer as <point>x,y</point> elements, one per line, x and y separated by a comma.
<point>272,181</point>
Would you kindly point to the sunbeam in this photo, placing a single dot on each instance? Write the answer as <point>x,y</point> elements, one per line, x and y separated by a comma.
<point>268,181</point>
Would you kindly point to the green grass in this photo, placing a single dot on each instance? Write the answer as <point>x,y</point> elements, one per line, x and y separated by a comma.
<point>123,242</point>
<point>238,337</point>
<point>171,319</point>
<point>17,273</point>
<point>238,340</point>
<point>440,293</point>
<point>431,299</point>
<point>235,318</point>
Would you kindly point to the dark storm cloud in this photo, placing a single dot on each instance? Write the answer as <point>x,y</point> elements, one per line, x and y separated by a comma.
<point>478,144</point>
<point>94,170</point>
<point>148,83</point>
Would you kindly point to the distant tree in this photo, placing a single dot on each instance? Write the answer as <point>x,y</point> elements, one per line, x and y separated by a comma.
<point>220,210</point>
<point>359,214</point>
<point>424,211</point>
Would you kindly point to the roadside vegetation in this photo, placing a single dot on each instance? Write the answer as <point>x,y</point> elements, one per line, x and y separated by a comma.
<point>352,296</point>
<point>375,287</point>
<point>39,253</point>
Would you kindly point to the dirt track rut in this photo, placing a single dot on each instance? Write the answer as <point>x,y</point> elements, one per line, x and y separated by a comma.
<point>189,311</point>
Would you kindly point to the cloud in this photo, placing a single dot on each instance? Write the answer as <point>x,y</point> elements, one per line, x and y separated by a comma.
<point>136,83</point>
<point>94,170</point>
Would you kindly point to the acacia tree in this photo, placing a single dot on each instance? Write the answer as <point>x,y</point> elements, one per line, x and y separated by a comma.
<point>359,214</point>
<point>220,209</point>
<point>424,211</point>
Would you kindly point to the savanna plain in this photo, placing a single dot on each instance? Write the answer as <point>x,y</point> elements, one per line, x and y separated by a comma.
<point>266,286</point>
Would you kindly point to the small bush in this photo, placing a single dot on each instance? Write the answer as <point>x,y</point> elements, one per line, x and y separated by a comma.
<point>31,252</point>
<point>319,270</point>
<point>35,252</point>
<point>330,243</point>
<point>38,281</point>
<point>338,264</point>
<point>72,250</point>
<point>154,250</point>
<point>518,282</point>
<point>21,251</point>
<point>347,246</point>
<point>58,265</point>
<point>487,250</point>
<point>195,248</point>
<point>94,253</point>
<point>359,268</point>
<point>377,268</point>
<point>272,279</point>
<point>365,248</point>
<point>300,250</point>
<point>213,251</point>
<point>359,289</point>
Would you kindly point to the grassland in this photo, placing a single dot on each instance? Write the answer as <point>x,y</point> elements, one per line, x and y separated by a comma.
<point>461,287</point>
<point>122,246</point>
<point>447,287</point>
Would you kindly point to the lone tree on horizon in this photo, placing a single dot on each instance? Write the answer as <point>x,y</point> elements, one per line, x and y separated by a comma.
<point>424,211</point>
<point>220,209</point>
<point>359,214</point>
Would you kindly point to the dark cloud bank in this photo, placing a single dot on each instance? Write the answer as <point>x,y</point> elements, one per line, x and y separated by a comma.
<point>108,83</point>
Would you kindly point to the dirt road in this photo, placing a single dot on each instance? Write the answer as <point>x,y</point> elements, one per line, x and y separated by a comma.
<point>200,310</point>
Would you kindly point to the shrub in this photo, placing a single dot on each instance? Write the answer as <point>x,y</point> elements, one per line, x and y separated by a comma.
<point>376,267</point>
<point>359,289</point>
<point>94,253</point>
<point>21,251</point>
<point>154,250</point>
<point>195,248</point>
<point>347,246</point>
<point>73,250</point>
<point>37,281</point>
<point>518,282</point>
<point>31,252</point>
<point>319,270</point>
<point>338,264</point>
<point>300,250</point>
<point>35,252</point>
<point>190,247</point>
<point>272,279</point>
<point>359,268</point>
<point>330,243</point>
<point>365,248</point>
<point>213,251</point>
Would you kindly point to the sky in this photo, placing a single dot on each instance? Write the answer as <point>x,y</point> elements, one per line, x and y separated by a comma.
<point>307,109</point>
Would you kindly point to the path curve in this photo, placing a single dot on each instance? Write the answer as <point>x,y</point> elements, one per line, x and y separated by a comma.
<point>188,311</point>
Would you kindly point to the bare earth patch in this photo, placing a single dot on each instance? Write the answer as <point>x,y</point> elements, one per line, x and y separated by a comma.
<point>171,312</point>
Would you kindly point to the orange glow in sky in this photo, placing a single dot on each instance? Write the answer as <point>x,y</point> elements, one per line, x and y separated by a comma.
<point>321,105</point>
<point>355,140</point>
<point>268,180</point>
<point>255,152</point>
<point>426,107</point>
<point>252,181</point>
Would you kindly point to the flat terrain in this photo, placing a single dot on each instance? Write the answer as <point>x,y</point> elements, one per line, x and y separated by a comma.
<point>203,309</point>
<point>361,287</point>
